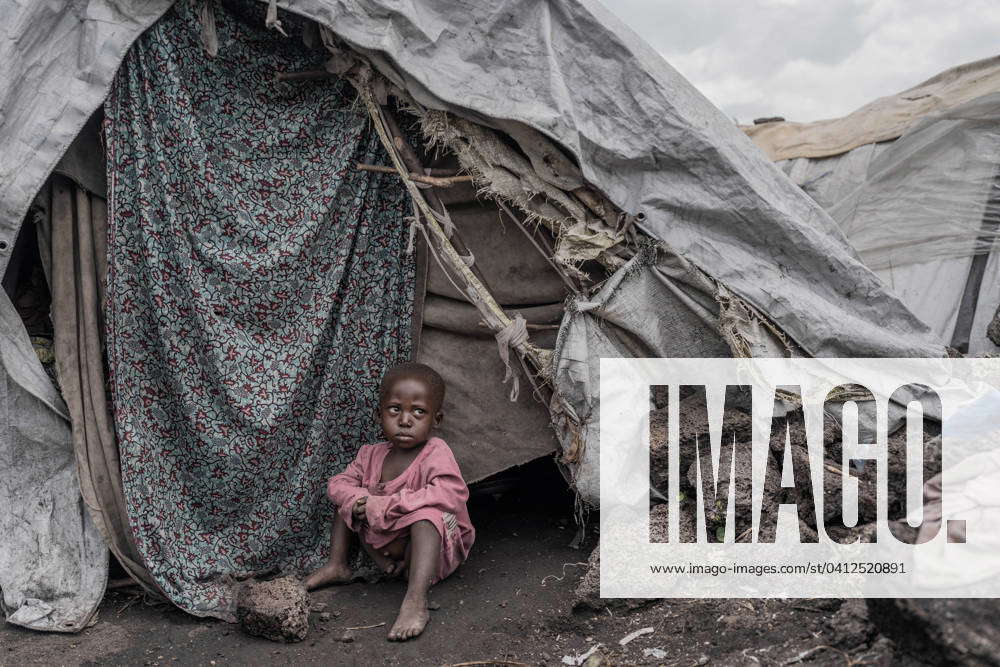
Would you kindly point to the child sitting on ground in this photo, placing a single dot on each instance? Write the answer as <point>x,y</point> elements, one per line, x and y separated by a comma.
<point>405,498</point>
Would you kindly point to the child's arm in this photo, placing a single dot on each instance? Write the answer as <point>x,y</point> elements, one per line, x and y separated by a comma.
<point>345,489</point>
<point>445,491</point>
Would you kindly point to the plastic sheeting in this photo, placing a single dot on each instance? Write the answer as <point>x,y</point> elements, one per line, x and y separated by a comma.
<point>640,133</point>
<point>76,253</point>
<point>487,432</point>
<point>881,120</point>
<point>918,209</point>
<point>53,561</point>
<point>616,323</point>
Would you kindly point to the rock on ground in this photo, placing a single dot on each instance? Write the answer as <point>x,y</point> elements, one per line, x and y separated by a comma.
<point>743,501</point>
<point>850,627</point>
<point>993,328</point>
<point>588,591</point>
<point>832,487</point>
<point>692,424</point>
<point>961,630</point>
<point>277,610</point>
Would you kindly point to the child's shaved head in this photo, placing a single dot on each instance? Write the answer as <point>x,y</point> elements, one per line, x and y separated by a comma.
<point>414,371</point>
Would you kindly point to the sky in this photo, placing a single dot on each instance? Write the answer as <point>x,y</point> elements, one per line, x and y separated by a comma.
<point>811,59</point>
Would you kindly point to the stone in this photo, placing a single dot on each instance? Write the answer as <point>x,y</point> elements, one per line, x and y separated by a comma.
<point>993,328</point>
<point>833,497</point>
<point>832,437</point>
<point>768,534</point>
<point>588,591</point>
<point>942,630</point>
<point>850,626</point>
<point>897,469</point>
<point>277,609</point>
<point>691,424</point>
<point>743,502</point>
<point>659,524</point>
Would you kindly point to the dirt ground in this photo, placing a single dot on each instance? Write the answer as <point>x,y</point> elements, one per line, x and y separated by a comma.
<point>512,602</point>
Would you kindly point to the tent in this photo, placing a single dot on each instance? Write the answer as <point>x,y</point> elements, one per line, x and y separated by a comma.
<point>911,180</point>
<point>662,231</point>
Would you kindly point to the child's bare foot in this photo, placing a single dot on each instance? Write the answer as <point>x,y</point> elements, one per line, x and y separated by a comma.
<point>412,619</point>
<point>331,573</point>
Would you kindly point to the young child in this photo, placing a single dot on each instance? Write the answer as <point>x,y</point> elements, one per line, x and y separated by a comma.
<point>405,498</point>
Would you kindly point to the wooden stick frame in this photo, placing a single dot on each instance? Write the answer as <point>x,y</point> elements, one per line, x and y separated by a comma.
<point>475,290</point>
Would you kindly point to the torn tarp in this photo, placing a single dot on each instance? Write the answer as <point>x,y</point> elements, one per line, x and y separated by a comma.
<point>53,561</point>
<point>640,133</point>
<point>616,322</point>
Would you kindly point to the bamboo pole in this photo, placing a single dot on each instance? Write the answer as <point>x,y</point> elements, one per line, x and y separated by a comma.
<point>436,181</point>
<point>308,75</point>
<point>476,291</point>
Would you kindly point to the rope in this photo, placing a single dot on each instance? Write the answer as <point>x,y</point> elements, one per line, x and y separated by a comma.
<point>414,221</point>
<point>271,21</point>
<point>512,335</point>
<point>209,37</point>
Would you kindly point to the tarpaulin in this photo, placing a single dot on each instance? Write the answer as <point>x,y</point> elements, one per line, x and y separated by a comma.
<point>53,562</point>
<point>639,132</point>
<point>76,232</point>
<point>883,119</point>
<point>487,432</point>
<point>571,70</point>
<point>919,210</point>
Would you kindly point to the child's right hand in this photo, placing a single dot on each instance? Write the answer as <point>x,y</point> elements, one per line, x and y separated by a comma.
<point>359,508</point>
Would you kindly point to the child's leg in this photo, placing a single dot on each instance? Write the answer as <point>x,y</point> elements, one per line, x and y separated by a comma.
<point>424,561</point>
<point>336,570</point>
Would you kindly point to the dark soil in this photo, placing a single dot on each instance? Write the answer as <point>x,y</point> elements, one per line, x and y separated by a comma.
<point>512,601</point>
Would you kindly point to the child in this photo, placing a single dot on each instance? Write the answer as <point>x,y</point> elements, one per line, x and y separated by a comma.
<point>404,497</point>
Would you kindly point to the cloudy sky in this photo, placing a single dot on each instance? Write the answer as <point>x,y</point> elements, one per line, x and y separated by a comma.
<point>811,59</point>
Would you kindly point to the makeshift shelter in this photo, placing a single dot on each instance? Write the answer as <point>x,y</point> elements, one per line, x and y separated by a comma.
<point>670,234</point>
<point>912,181</point>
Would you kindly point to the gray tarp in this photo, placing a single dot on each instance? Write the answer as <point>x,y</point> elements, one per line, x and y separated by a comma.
<point>917,209</point>
<point>487,432</point>
<point>53,562</point>
<point>640,132</point>
<point>571,70</point>
<point>616,323</point>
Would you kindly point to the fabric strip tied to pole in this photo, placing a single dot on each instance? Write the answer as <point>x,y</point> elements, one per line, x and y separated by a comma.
<point>209,36</point>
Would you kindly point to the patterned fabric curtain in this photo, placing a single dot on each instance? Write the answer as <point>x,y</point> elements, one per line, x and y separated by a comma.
<point>258,286</point>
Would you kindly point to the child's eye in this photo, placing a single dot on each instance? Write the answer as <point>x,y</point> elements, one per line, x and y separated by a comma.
<point>418,411</point>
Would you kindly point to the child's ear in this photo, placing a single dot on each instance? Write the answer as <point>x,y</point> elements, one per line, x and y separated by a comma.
<point>438,417</point>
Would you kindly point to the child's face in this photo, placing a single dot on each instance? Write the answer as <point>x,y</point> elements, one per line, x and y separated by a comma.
<point>409,413</point>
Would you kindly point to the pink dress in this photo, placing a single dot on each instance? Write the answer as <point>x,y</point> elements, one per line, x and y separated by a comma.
<point>431,488</point>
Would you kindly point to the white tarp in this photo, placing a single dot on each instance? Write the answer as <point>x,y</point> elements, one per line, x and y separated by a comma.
<point>53,560</point>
